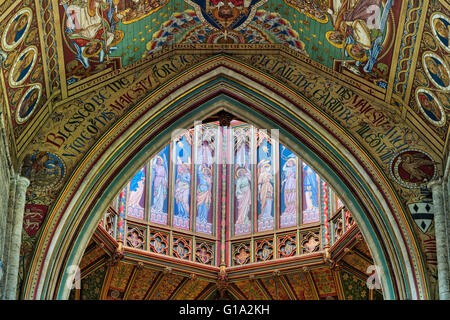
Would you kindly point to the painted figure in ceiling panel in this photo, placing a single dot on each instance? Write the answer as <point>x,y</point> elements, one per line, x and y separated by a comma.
<point>265,169</point>
<point>289,203</point>
<point>311,193</point>
<point>205,166</point>
<point>183,172</point>
<point>160,187</point>
<point>440,25</point>
<point>136,198</point>
<point>242,179</point>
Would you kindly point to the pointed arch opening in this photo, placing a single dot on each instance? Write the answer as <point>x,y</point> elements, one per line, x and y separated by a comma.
<point>146,129</point>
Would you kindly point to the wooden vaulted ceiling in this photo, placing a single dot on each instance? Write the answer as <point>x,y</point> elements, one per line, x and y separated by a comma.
<point>105,276</point>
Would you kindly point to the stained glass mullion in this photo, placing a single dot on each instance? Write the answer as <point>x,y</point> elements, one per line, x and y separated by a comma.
<point>171,206</point>
<point>170,188</point>
<point>194,176</point>
<point>253,181</point>
<point>276,181</point>
<point>300,192</point>
<point>192,185</point>
<point>150,189</point>
<point>216,196</point>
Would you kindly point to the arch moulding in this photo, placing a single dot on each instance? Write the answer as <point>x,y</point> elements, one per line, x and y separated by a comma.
<point>225,83</point>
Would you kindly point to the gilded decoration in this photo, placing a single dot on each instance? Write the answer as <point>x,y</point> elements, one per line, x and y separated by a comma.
<point>381,78</point>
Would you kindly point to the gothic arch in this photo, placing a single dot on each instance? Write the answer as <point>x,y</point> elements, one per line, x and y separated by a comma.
<point>224,83</point>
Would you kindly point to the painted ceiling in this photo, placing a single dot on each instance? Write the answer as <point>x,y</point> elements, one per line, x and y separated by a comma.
<point>133,279</point>
<point>66,66</point>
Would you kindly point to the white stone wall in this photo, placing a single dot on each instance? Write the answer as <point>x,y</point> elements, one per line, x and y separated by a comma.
<point>5,176</point>
<point>12,204</point>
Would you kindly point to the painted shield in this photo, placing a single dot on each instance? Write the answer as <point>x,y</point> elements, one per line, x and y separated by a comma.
<point>33,216</point>
<point>422,214</point>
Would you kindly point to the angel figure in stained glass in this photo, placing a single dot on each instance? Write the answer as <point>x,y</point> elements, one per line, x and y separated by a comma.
<point>204,195</point>
<point>265,189</point>
<point>159,185</point>
<point>243,195</point>
<point>290,186</point>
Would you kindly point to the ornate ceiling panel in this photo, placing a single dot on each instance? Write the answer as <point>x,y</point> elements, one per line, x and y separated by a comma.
<point>71,69</point>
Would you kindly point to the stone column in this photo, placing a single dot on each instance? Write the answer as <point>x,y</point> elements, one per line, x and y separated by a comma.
<point>14,239</point>
<point>7,233</point>
<point>440,226</point>
<point>447,213</point>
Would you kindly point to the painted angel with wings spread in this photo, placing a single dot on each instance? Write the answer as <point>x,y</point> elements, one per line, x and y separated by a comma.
<point>359,27</point>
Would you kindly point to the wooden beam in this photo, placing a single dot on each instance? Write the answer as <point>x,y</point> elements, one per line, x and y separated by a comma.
<point>338,284</point>
<point>363,256</point>
<point>291,287</point>
<point>206,292</point>
<point>180,287</point>
<point>77,294</point>
<point>263,289</point>
<point>288,288</point>
<point>93,266</point>
<point>130,282</point>
<point>154,286</point>
<point>237,292</point>
<point>361,275</point>
<point>107,281</point>
<point>312,284</point>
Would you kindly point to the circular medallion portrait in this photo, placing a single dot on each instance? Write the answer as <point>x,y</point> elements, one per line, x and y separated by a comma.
<point>44,169</point>
<point>436,70</point>
<point>413,168</point>
<point>440,24</point>
<point>430,107</point>
<point>356,53</point>
<point>336,38</point>
<point>22,66</point>
<point>28,103</point>
<point>16,29</point>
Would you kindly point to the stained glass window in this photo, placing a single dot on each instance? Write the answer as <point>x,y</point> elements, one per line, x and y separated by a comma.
<point>265,179</point>
<point>311,194</point>
<point>242,179</point>
<point>238,174</point>
<point>289,188</point>
<point>136,195</point>
<point>206,137</point>
<point>182,161</point>
<point>159,186</point>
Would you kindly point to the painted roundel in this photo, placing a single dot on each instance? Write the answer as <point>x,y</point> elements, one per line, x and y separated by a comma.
<point>440,24</point>
<point>413,168</point>
<point>430,106</point>
<point>44,169</point>
<point>16,29</point>
<point>437,70</point>
<point>28,103</point>
<point>23,65</point>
